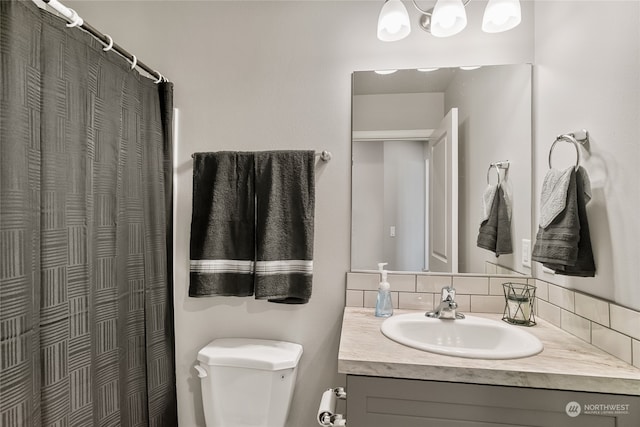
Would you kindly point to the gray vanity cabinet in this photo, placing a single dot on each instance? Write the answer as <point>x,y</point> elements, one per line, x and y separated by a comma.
<point>390,402</point>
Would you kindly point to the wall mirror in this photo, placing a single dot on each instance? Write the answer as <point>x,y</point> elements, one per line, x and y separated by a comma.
<point>423,141</point>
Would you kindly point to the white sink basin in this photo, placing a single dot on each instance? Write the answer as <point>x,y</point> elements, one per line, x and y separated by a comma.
<point>472,337</point>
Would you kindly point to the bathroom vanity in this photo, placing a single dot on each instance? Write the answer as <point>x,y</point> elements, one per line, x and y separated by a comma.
<point>570,383</point>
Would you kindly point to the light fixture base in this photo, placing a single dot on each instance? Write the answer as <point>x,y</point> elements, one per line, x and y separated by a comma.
<point>424,21</point>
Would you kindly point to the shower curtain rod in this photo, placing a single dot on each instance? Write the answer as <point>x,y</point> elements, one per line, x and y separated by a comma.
<point>76,21</point>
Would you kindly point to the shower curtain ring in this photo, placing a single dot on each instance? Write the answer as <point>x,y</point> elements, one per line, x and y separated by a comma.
<point>110,45</point>
<point>160,77</point>
<point>76,19</point>
<point>134,61</point>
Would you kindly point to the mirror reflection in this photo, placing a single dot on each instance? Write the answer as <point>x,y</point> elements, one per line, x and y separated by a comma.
<point>423,142</point>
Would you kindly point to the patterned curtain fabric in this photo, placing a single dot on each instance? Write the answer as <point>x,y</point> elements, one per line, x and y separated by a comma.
<point>86,315</point>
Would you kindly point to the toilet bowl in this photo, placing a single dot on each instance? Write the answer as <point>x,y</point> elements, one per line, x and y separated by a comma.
<point>247,382</point>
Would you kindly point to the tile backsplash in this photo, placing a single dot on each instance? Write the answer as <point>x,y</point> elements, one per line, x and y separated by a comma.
<point>613,328</point>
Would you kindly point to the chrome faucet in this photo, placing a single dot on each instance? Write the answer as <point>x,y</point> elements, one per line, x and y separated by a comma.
<point>448,308</point>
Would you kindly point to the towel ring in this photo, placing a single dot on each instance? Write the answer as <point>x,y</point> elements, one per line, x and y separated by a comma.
<point>569,138</point>
<point>497,168</point>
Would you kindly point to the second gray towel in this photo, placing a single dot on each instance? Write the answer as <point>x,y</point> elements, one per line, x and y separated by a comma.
<point>495,232</point>
<point>285,196</point>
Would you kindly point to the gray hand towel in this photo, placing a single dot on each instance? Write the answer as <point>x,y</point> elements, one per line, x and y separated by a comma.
<point>285,190</point>
<point>495,233</point>
<point>222,225</point>
<point>565,245</point>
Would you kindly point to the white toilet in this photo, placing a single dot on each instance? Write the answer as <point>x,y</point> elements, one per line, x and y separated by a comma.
<point>247,382</point>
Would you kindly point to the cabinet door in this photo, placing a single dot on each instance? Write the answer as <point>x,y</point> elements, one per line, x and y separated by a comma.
<point>388,402</point>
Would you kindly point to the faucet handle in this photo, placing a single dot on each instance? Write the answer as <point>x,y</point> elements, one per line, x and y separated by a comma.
<point>448,293</point>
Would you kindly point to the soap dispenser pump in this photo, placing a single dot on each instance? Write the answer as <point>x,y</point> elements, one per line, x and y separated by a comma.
<point>384,306</point>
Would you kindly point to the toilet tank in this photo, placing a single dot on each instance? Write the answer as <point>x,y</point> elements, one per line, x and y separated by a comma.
<point>247,382</point>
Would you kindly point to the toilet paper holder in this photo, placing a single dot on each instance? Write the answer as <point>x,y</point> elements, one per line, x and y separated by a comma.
<point>326,412</point>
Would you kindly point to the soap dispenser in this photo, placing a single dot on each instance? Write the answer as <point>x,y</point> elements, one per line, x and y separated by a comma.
<point>384,306</point>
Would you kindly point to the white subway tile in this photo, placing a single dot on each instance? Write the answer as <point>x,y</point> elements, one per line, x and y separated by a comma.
<point>433,284</point>
<point>548,312</point>
<point>576,325</point>
<point>371,296</point>
<point>542,289</point>
<point>625,320</point>
<point>471,285</point>
<point>611,341</point>
<point>495,283</point>
<point>355,298</point>
<point>487,304</point>
<point>464,302</point>
<point>402,282</point>
<point>415,301</point>
<point>592,308</point>
<point>562,297</point>
<point>363,281</point>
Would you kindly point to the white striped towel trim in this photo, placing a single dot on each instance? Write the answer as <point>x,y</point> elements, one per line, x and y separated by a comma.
<point>212,266</point>
<point>266,268</point>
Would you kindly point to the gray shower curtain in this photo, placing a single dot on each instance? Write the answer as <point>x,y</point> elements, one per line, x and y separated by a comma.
<point>86,323</point>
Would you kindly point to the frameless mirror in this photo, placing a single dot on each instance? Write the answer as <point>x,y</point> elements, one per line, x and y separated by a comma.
<point>422,145</point>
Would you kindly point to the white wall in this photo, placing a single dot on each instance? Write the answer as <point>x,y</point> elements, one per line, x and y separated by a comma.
<point>367,205</point>
<point>277,75</point>
<point>587,75</point>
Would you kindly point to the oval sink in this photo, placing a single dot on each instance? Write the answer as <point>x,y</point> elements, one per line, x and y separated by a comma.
<point>472,337</point>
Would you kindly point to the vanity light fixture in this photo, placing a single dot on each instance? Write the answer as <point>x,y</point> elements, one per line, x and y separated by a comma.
<point>469,67</point>
<point>446,18</point>
<point>427,70</point>
<point>501,15</point>
<point>393,22</point>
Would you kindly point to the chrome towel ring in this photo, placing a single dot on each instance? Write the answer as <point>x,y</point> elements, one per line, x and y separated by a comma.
<point>503,164</point>
<point>577,138</point>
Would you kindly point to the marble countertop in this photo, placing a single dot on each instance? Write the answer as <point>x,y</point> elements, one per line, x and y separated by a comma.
<point>566,363</point>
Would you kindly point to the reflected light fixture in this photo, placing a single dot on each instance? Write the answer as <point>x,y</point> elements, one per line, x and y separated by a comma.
<point>393,22</point>
<point>446,18</point>
<point>385,72</point>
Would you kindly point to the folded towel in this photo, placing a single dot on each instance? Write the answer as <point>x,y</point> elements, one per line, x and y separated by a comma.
<point>222,225</point>
<point>565,245</point>
<point>553,196</point>
<point>487,200</point>
<point>495,233</point>
<point>285,190</point>
<point>507,190</point>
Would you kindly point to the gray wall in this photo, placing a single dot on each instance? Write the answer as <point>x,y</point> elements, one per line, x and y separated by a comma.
<point>494,124</point>
<point>277,75</point>
<point>399,111</point>
<point>367,216</point>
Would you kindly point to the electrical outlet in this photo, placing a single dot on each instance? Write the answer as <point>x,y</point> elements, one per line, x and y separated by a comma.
<point>526,252</point>
<point>392,231</point>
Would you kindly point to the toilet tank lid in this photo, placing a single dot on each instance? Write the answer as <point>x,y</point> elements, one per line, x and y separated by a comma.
<point>251,353</point>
